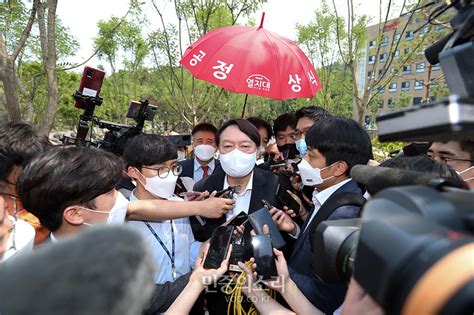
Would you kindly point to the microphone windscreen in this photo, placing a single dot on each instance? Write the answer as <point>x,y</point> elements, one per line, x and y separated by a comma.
<point>103,270</point>
<point>378,178</point>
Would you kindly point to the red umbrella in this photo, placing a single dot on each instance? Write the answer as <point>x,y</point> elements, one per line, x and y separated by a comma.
<point>252,60</point>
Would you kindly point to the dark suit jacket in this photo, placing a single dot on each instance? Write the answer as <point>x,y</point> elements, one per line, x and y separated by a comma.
<point>264,187</point>
<point>188,168</point>
<point>326,297</point>
<point>165,294</point>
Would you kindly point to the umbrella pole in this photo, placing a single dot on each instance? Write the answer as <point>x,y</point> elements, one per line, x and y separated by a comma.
<point>245,104</point>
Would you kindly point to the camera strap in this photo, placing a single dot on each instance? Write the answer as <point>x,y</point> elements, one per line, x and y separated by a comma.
<point>336,201</point>
<point>172,255</point>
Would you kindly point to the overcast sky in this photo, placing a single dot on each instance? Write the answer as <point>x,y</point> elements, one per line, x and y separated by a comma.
<point>281,16</point>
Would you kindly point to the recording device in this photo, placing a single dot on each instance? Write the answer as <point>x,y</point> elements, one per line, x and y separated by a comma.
<point>453,117</point>
<point>261,217</point>
<point>237,219</point>
<point>286,199</point>
<point>219,245</point>
<point>263,254</point>
<point>410,241</point>
<point>96,277</point>
<point>89,88</point>
<point>228,192</point>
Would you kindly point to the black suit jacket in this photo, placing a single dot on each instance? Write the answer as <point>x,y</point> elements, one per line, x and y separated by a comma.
<point>188,168</point>
<point>165,294</point>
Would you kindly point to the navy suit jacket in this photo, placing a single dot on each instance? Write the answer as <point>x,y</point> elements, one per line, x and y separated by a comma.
<point>326,297</point>
<point>188,168</point>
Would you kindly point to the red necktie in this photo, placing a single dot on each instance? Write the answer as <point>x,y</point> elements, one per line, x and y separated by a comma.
<point>205,169</point>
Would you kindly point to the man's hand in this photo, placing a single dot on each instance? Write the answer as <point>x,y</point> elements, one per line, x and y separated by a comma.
<point>283,273</point>
<point>205,277</point>
<point>283,221</point>
<point>214,208</point>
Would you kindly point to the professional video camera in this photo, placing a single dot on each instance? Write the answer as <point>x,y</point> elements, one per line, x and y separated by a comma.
<point>413,249</point>
<point>116,136</point>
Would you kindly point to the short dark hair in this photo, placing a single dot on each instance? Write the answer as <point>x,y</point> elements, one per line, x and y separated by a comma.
<point>423,163</point>
<point>261,123</point>
<point>204,127</point>
<point>340,139</point>
<point>245,126</point>
<point>315,113</point>
<point>284,121</point>
<point>149,149</point>
<point>468,146</point>
<point>62,177</point>
<point>19,143</point>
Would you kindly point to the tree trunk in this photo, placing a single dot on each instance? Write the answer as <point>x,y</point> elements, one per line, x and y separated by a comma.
<point>9,85</point>
<point>48,43</point>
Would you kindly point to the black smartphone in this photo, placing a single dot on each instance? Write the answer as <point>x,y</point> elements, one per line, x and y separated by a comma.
<point>261,217</point>
<point>267,204</point>
<point>219,245</point>
<point>285,198</point>
<point>264,258</point>
<point>237,219</point>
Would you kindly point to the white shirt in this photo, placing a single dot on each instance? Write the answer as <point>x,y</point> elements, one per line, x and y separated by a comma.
<point>319,198</point>
<point>23,236</point>
<point>186,248</point>
<point>199,172</point>
<point>242,200</point>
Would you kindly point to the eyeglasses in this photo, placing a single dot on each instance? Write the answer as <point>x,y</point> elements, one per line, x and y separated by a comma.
<point>445,159</point>
<point>165,170</point>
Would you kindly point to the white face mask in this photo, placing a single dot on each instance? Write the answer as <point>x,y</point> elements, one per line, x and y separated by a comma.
<point>237,163</point>
<point>119,211</point>
<point>204,152</point>
<point>160,187</point>
<point>311,176</point>
<point>464,171</point>
<point>20,240</point>
<point>181,155</point>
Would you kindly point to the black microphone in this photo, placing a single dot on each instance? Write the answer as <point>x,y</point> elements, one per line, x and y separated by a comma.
<point>378,178</point>
<point>103,270</point>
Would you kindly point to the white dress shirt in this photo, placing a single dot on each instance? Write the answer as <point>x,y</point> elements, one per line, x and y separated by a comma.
<point>319,198</point>
<point>242,200</point>
<point>199,172</point>
<point>186,248</point>
<point>22,237</point>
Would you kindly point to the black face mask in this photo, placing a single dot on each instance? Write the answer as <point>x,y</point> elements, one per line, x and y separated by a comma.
<point>289,150</point>
<point>415,149</point>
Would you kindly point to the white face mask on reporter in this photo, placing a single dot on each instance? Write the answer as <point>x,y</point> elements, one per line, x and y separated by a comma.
<point>160,187</point>
<point>311,176</point>
<point>237,163</point>
<point>204,152</point>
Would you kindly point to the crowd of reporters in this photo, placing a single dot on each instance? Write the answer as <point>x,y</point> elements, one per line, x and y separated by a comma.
<point>50,196</point>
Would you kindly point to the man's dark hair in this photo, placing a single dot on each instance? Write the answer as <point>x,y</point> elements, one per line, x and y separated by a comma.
<point>204,127</point>
<point>425,164</point>
<point>261,123</point>
<point>468,146</point>
<point>62,177</point>
<point>19,143</point>
<point>315,113</point>
<point>284,121</point>
<point>149,149</point>
<point>340,139</point>
<point>244,126</point>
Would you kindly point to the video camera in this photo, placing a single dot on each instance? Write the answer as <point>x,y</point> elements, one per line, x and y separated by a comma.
<point>413,249</point>
<point>117,135</point>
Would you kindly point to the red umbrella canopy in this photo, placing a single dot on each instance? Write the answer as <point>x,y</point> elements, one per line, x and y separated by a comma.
<point>252,60</point>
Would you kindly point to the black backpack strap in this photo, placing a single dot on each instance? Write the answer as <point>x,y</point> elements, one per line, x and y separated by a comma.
<point>336,201</point>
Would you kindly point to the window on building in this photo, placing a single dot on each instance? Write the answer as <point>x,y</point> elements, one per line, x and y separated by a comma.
<point>420,67</point>
<point>392,87</point>
<point>407,69</point>
<point>409,35</point>
<point>383,57</point>
<point>384,41</point>
<point>381,89</point>
<point>391,103</point>
<point>382,72</point>
<point>424,30</point>
<point>407,51</point>
<point>435,67</point>
<point>371,60</point>
<point>416,100</point>
<point>371,75</point>
<point>380,103</point>
<point>396,53</point>
<point>419,84</point>
<point>397,36</point>
<point>372,44</point>
<point>405,86</point>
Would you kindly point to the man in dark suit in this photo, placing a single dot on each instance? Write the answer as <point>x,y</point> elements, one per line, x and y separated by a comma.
<point>335,145</point>
<point>204,147</point>
<point>238,141</point>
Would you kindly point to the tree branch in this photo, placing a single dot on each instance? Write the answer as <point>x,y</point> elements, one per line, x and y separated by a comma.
<point>26,31</point>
